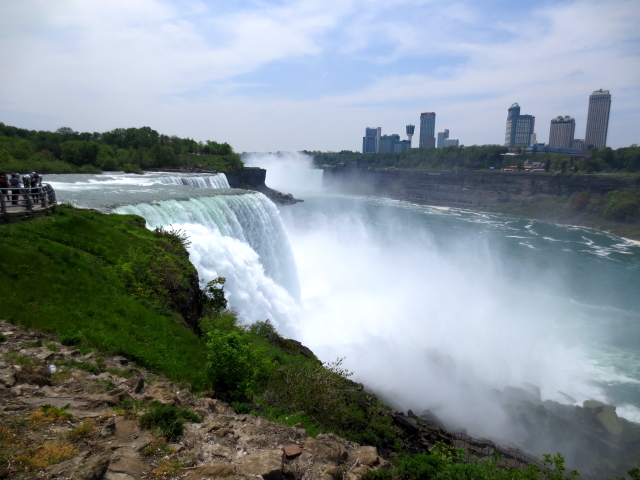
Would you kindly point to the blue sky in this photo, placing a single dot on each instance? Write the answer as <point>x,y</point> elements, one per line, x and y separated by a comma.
<point>312,74</point>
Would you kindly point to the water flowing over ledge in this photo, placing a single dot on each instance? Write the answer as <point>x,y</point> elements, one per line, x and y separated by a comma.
<point>234,233</point>
<point>240,237</point>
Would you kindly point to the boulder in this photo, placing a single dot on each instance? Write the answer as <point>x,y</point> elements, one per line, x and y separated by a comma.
<point>326,450</point>
<point>29,376</point>
<point>8,378</point>
<point>267,463</point>
<point>135,384</point>
<point>160,392</point>
<point>214,471</point>
<point>365,456</point>
<point>130,466</point>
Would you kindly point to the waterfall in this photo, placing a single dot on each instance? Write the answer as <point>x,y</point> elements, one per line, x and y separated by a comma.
<point>241,238</point>
<point>207,181</point>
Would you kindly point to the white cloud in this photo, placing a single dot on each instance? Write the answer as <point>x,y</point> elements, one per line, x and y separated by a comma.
<point>94,66</point>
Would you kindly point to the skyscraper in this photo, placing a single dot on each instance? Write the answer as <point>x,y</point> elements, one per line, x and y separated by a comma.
<point>512,119</point>
<point>427,130</point>
<point>562,131</point>
<point>442,136</point>
<point>598,119</point>
<point>524,129</point>
<point>520,128</point>
<point>371,140</point>
<point>387,142</point>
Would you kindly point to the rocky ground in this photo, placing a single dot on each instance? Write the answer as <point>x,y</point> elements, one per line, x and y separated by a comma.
<point>82,422</point>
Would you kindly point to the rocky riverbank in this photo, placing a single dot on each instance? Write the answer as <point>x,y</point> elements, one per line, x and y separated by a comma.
<point>574,199</point>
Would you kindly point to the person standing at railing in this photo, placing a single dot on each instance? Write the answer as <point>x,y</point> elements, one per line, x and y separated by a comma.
<point>4,184</point>
<point>14,183</point>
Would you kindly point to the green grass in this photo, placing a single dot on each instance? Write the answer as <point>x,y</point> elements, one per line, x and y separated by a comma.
<point>60,277</point>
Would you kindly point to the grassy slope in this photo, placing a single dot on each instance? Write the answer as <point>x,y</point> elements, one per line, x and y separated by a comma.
<point>59,276</point>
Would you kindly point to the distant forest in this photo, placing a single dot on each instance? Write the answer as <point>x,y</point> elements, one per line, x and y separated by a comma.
<point>128,149</point>
<point>606,160</point>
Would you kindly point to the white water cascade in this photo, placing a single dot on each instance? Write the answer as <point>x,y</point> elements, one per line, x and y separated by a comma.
<point>241,238</point>
<point>208,181</point>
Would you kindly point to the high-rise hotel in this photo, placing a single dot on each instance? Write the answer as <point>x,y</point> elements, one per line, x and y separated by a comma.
<point>598,119</point>
<point>427,130</point>
<point>562,132</point>
<point>519,127</point>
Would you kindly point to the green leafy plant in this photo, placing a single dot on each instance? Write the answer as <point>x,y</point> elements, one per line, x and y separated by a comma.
<point>84,430</point>
<point>215,301</point>
<point>167,420</point>
<point>234,364</point>
<point>71,339</point>
<point>49,413</point>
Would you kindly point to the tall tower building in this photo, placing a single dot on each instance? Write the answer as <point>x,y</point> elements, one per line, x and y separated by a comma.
<point>427,130</point>
<point>512,119</point>
<point>520,128</point>
<point>598,119</point>
<point>562,132</point>
<point>371,140</point>
<point>410,131</point>
<point>442,136</point>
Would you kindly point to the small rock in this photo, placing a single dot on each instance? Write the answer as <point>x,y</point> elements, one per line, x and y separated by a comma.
<point>291,450</point>
<point>136,384</point>
<point>222,432</point>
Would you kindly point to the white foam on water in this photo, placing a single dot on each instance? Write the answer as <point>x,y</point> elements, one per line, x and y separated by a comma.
<point>242,238</point>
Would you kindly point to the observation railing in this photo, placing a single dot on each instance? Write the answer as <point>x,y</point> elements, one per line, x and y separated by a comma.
<point>18,202</point>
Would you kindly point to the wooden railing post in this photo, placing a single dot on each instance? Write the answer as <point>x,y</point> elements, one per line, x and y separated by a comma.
<point>29,201</point>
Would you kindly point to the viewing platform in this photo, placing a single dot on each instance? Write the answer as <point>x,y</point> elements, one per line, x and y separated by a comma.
<point>24,203</point>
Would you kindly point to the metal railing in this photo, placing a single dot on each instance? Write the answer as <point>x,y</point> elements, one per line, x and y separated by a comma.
<point>30,199</point>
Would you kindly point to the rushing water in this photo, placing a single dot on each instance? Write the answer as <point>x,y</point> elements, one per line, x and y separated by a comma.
<point>433,307</point>
<point>234,233</point>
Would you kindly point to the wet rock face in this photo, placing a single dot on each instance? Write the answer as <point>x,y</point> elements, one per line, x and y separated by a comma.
<point>101,438</point>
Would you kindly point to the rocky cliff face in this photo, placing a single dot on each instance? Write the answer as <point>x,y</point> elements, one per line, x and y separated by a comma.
<point>466,189</point>
<point>253,178</point>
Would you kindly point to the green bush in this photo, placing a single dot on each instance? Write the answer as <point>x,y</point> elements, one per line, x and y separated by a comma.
<point>129,168</point>
<point>235,365</point>
<point>167,420</point>
<point>215,301</point>
<point>447,463</point>
<point>71,339</point>
<point>262,328</point>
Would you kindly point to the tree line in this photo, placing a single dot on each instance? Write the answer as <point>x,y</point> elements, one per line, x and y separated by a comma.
<point>129,149</point>
<point>621,160</point>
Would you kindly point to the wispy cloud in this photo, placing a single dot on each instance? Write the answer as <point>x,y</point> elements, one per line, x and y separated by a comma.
<point>322,69</point>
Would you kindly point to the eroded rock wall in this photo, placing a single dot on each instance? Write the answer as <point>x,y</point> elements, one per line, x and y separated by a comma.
<point>467,189</point>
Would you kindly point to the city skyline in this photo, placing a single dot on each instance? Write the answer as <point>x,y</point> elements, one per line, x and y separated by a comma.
<point>309,74</point>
